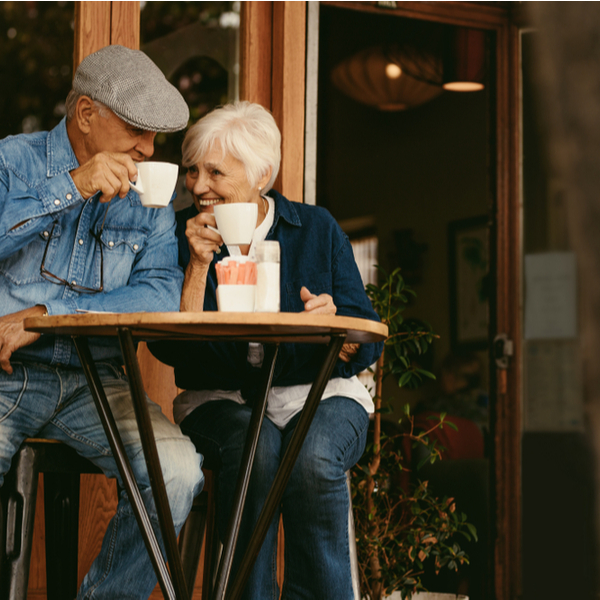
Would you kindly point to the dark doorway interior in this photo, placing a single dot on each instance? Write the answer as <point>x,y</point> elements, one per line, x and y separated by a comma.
<point>419,178</point>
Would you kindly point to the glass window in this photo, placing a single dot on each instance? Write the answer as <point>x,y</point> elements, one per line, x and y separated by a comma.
<point>196,45</point>
<point>36,46</point>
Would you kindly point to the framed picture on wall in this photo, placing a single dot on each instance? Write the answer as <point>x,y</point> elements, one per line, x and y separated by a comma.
<point>468,255</point>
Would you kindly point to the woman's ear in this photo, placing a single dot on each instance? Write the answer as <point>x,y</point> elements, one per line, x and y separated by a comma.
<point>265,179</point>
<point>84,113</point>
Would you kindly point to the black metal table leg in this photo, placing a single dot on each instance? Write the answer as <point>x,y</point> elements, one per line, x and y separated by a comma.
<point>122,461</point>
<point>256,420</point>
<point>285,468</point>
<point>159,492</point>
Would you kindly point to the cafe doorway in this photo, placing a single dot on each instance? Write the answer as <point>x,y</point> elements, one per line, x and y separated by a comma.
<point>411,169</point>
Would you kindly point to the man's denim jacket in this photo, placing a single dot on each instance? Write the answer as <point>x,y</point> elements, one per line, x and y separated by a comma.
<point>37,193</point>
<point>315,253</point>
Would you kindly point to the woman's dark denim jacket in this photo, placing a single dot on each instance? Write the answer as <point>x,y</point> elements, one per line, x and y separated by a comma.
<point>315,253</point>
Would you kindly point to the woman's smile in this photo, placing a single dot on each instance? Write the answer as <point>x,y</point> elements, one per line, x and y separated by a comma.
<point>208,201</point>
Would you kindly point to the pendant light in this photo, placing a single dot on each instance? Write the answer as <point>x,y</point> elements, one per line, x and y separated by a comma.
<point>389,78</point>
<point>464,60</point>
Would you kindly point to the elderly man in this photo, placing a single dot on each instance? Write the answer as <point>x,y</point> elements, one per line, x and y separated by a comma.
<point>73,236</point>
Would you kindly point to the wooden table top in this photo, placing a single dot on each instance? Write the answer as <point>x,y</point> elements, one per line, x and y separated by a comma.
<point>266,327</point>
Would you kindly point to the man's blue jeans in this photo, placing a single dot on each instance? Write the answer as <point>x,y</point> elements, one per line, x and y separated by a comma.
<point>315,504</point>
<point>43,401</point>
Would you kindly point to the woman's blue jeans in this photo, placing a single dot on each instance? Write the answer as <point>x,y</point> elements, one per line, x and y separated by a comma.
<point>315,505</point>
<point>43,401</point>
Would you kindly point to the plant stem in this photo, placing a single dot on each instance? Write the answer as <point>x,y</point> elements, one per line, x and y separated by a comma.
<point>374,560</point>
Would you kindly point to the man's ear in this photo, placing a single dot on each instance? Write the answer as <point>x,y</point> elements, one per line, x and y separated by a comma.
<point>84,113</point>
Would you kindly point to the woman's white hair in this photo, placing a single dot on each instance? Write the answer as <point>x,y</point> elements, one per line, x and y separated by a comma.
<point>245,130</point>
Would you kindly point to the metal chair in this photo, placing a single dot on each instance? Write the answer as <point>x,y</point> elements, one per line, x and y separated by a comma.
<point>61,467</point>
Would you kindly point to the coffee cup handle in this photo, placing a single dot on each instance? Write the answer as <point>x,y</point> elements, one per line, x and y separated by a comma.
<point>217,231</point>
<point>137,187</point>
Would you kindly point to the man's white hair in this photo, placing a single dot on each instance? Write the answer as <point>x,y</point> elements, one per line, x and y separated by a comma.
<point>71,104</point>
<point>245,130</point>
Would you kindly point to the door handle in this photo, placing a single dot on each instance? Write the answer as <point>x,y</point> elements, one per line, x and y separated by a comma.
<point>503,350</point>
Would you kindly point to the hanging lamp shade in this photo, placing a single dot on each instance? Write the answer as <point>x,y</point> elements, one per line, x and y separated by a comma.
<point>464,60</point>
<point>379,77</point>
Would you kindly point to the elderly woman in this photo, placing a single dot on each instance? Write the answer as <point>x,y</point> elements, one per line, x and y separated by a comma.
<point>233,155</point>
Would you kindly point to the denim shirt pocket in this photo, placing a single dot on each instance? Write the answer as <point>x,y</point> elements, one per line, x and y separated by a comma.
<point>316,283</point>
<point>23,267</point>
<point>120,247</point>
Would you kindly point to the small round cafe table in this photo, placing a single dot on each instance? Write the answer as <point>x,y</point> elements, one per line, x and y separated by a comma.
<point>270,329</point>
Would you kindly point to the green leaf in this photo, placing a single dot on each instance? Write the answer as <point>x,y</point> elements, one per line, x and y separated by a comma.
<point>404,379</point>
<point>473,530</point>
<point>425,373</point>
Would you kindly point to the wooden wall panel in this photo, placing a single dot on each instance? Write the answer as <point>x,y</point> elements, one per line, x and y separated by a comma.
<point>288,96</point>
<point>159,380</point>
<point>98,504</point>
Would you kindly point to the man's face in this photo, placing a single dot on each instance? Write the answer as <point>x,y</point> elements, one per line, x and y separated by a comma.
<point>112,134</point>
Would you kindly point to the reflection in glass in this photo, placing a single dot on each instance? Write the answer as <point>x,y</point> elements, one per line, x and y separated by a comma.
<point>195,44</point>
<point>36,46</point>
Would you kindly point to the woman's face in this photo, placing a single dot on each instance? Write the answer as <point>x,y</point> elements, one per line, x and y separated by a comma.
<point>216,179</point>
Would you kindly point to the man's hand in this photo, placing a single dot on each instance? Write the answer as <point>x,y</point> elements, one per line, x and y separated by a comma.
<point>108,172</point>
<point>13,336</point>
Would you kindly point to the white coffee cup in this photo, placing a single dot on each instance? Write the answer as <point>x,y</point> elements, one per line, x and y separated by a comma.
<point>155,183</point>
<point>236,222</point>
<point>236,298</point>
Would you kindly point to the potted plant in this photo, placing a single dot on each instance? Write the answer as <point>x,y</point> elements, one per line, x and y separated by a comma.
<point>399,524</point>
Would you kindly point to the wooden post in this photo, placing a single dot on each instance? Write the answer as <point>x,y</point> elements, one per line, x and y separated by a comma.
<point>92,29</point>
<point>255,52</point>
<point>99,24</point>
<point>125,24</point>
<point>273,49</point>
<point>288,96</point>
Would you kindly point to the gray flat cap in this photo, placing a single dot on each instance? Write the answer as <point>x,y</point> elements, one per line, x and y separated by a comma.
<point>133,87</point>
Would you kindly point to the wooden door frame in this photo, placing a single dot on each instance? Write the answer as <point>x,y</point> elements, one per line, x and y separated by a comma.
<point>507,431</point>
<point>272,73</point>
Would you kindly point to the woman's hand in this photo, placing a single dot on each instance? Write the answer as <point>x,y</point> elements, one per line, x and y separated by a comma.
<point>323,304</point>
<point>202,240</point>
<point>348,351</point>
